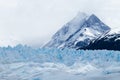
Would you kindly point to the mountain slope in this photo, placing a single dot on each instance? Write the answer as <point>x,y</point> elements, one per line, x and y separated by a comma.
<point>79,32</point>
<point>109,42</point>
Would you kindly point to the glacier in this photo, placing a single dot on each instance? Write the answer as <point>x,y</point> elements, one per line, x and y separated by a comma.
<point>26,63</point>
<point>67,56</point>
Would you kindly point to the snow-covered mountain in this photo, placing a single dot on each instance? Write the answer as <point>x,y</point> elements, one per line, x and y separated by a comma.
<point>79,32</point>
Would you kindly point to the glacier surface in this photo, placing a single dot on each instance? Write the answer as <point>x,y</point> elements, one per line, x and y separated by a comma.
<point>26,63</point>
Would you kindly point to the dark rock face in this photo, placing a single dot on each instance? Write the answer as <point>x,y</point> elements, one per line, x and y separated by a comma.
<point>109,42</point>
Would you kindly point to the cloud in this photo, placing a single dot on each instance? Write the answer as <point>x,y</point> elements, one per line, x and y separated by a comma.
<point>30,20</point>
<point>8,3</point>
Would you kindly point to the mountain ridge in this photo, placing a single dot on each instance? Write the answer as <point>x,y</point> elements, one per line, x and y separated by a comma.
<point>108,42</point>
<point>79,32</point>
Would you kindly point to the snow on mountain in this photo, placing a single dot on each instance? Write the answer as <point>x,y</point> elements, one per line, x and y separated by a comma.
<point>79,32</point>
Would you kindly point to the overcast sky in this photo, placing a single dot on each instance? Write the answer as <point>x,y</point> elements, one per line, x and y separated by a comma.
<point>33,22</point>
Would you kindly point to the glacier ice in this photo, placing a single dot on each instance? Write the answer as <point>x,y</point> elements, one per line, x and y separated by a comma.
<point>26,63</point>
<point>67,56</point>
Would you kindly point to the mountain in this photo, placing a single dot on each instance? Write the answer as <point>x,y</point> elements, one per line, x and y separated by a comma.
<point>110,41</point>
<point>79,32</point>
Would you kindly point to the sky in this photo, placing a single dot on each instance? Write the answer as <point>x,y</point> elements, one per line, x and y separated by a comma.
<point>33,22</point>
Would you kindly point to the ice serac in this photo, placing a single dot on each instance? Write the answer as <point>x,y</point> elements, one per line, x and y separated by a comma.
<point>79,32</point>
